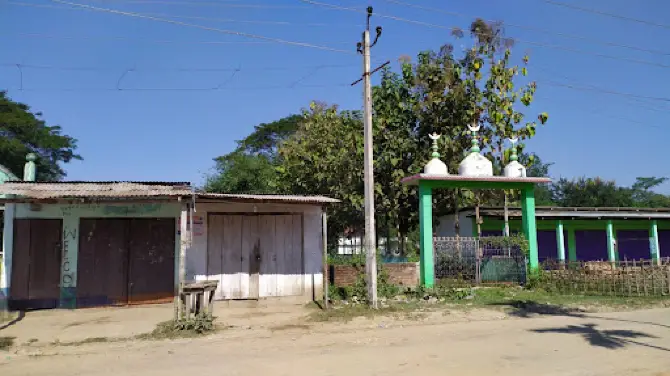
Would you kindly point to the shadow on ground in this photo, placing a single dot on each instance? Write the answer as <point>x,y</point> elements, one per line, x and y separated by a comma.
<point>13,321</point>
<point>530,308</point>
<point>609,339</point>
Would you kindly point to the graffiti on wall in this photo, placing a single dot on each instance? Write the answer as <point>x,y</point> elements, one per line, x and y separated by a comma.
<point>67,269</point>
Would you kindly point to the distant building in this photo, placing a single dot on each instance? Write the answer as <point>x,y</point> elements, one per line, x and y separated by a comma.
<point>636,233</point>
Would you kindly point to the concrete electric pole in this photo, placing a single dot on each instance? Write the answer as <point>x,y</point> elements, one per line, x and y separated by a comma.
<point>370,241</point>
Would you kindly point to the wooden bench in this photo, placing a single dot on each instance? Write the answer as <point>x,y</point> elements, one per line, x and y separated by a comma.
<point>197,298</point>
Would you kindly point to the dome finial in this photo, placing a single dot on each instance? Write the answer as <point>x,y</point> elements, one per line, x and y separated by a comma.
<point>475,142</point>
<point>435,166</point>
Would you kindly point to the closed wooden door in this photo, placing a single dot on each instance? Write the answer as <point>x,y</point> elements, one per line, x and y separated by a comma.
<point>102,275</point>
<point>152,257</point>
<point>36,263</point>
<point>255,256</point>
<point>227,255</point>
<point>281,255</point>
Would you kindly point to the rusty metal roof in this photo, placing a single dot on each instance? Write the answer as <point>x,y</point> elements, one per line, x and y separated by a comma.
<point>94,190</point>
<point>288,199</point>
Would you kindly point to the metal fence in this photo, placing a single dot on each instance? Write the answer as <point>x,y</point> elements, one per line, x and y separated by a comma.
<point>477,261</point>
<point>620,278</point>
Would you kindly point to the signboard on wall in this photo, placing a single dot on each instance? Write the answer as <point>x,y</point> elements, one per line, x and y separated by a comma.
<point>198,225</point>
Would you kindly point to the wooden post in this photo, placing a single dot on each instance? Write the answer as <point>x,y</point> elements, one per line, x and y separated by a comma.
<point>326,277</point>
<point>183,244</point>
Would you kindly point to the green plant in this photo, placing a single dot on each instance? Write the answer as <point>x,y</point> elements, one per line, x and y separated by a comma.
<point>199,325</point>
<point>514,242</point>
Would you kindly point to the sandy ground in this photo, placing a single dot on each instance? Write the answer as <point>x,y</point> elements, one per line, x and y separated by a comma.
<point>276,339</point>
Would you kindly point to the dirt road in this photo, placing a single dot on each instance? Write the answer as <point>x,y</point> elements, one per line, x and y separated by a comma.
<point>631,343</point>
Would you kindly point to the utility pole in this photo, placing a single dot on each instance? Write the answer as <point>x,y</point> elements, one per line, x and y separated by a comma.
<point>370,240</point>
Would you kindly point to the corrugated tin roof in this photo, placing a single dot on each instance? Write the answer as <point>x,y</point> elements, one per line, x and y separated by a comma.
<point>53,190</point>
<point>268,198</point>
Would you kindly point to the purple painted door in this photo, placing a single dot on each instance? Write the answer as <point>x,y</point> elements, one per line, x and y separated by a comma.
<point>633,244</point>
<point>664,243</point>
<point>486,233</point>
<point>591,245</point>
<point>547,245</point>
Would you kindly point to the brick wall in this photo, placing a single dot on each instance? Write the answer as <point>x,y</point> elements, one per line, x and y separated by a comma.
<point>402,274</point>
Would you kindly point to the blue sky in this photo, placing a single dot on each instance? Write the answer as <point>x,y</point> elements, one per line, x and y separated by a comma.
<point>207,89</point>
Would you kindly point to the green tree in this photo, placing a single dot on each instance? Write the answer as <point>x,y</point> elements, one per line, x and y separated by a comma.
<point>252,166</point>
<point>437,93</point>
<point>590,192</point>
<point>325,156</point>
<point>643,196</point>
<point>23,132</point>
<point>238,172</point>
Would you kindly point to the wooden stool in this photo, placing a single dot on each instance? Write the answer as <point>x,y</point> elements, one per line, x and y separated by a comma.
<point>197,298</point>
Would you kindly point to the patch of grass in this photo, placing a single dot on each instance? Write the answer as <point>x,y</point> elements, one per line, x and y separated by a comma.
<point>6,343</point>
<point>346,313</point>
<point>195,327</point>
<point>515,300</point>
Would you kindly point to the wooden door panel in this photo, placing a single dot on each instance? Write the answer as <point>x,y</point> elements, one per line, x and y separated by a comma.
<point>37,263</point>
<point>268,255</point>
<point>102,273</point>
<point>250,257</point>
<point>151,260</point>
<point>214,255</point>
<point>232,257</point>
<point>294,263</point>
<point>20,261</point>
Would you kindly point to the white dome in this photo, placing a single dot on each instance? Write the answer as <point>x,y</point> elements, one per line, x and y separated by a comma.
<point>435,167</point>
<point>475,164</point>
<point>515,170</point>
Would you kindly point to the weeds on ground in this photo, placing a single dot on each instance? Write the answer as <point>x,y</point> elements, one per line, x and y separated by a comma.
<point>6,343</point>
<point>186,328</point>
<point>517,301</point>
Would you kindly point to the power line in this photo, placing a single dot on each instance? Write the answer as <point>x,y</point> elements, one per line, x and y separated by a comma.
<point>532,28</point>
<point>132,39</point>
<point>605,91</point>
<point>203,89</point>
<point>209,3</point>
<point>226,20</point>
<point>177,69</point>
<point>607,14</point>
<point>231,32</point>
<point>427,24</point>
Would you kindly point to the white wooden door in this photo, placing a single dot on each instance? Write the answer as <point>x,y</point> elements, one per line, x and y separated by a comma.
<point>233,268</point>
<point>225,260</point>
<point>214,252</point>
<point>281,272</point>
<point>255,256</point>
